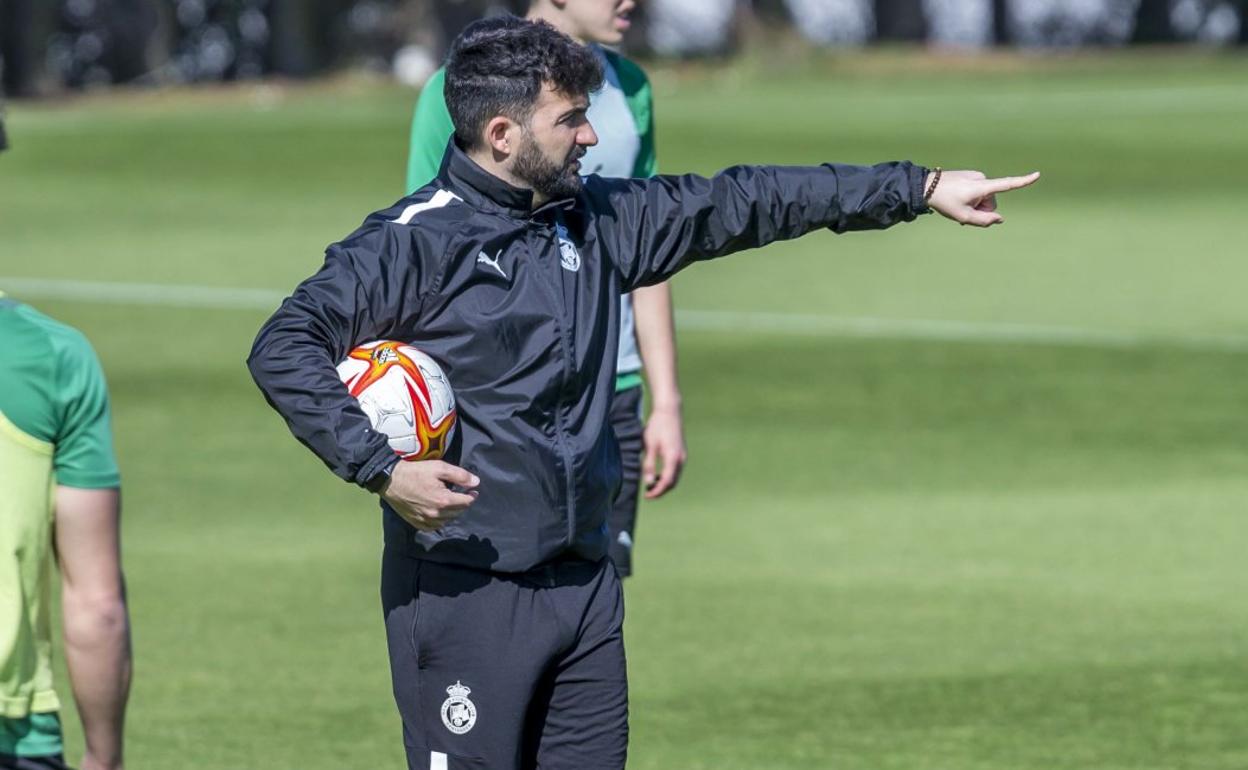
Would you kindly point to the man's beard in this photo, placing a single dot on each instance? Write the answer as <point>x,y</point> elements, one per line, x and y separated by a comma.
<point>553,179</point>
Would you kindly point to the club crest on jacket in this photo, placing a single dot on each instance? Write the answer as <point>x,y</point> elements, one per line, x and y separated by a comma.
<point>569,257</point>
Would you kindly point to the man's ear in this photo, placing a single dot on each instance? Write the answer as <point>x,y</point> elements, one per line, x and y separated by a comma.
<point>500,135</point>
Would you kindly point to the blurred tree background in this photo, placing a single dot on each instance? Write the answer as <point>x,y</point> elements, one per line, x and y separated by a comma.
<point>50,46</point>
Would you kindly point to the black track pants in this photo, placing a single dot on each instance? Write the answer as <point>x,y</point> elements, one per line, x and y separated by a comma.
<point>507,672</point>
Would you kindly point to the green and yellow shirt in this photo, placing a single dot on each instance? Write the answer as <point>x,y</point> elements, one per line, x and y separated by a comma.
<point>54,429</point>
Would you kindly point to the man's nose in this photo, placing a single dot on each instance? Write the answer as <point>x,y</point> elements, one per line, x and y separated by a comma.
<point>587,137</point>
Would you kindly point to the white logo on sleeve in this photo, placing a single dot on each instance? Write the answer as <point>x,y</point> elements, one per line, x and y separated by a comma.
<point>458,713</point>
<point>482,259</point>
<point>440,198</point>
<point>569,257</point>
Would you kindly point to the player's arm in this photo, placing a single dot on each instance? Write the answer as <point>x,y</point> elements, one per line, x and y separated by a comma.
<point>668,222</point>
<point>663,439</point>
<point>431,130</point>
<point>87,542</point>
<point>94,616</point>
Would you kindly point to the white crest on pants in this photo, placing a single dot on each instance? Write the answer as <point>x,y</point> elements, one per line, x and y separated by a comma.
<point>458,713</point>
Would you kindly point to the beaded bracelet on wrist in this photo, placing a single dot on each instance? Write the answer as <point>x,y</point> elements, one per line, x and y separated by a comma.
<point>931,188</point>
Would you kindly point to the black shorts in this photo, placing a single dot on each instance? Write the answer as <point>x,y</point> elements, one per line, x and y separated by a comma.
<point>52,762</point>
<point>42,729</point>
<point>622,520</point>
<point>507,672</point>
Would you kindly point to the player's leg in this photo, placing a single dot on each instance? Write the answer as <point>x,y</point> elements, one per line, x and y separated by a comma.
<point>622,521</point>
<point>580,720</point>
<point>467,650</point>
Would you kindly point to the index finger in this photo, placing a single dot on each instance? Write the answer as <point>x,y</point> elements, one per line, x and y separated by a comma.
<point>1007,183</point>
<point>667,480</point>
<point>456,502</point>
<point>456,475</point>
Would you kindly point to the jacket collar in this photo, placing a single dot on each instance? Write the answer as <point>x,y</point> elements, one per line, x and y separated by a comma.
<point>480,188</point>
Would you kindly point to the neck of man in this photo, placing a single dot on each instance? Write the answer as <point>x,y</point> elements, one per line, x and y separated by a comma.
<point>488,159</point>
<point>541,10</point>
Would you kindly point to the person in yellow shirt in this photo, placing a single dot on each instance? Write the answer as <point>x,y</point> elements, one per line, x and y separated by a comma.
<point>59,497</point>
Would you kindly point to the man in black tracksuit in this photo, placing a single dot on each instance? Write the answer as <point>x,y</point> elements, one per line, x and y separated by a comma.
<point>502,613</point>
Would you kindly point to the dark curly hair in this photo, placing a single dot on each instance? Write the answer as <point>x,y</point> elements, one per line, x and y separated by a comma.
<point>497,66</point>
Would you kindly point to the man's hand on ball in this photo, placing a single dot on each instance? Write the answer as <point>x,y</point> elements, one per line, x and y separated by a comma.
<point>421,493</point>
<point>970,198</point>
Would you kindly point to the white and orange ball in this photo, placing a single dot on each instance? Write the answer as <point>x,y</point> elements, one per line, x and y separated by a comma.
<point>405,394</point>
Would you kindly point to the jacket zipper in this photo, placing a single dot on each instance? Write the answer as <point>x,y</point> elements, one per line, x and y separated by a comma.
<point>565,343</point>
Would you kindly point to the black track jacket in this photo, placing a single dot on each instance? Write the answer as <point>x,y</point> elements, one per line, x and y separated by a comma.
<point>520,307</point>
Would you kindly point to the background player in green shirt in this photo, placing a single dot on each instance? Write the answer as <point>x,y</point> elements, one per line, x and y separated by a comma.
<point>59,494</point>
<point>622,115</point>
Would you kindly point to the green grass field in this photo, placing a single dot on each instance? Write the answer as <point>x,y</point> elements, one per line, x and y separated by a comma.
<point>1015,541</point>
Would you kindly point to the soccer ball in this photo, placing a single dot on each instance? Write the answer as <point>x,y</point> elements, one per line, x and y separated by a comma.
<point>405,395</point>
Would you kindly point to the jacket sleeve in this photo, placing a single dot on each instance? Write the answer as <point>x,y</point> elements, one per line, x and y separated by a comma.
<point>296,352</point>
<point>659,226</point>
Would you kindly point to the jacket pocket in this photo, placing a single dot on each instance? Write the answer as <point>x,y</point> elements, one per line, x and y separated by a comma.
<point>413,636</point>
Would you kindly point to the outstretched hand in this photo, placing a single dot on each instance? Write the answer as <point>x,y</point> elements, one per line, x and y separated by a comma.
<point>421,492</point>
<point>970,198</point>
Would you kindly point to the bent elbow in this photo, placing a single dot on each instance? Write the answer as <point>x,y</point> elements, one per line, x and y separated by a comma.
<point>92,617</point>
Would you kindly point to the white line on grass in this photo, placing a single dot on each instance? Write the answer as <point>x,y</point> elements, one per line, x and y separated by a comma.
<point>209,297</point>
<point>945,331</point>
<point>226,298</point>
